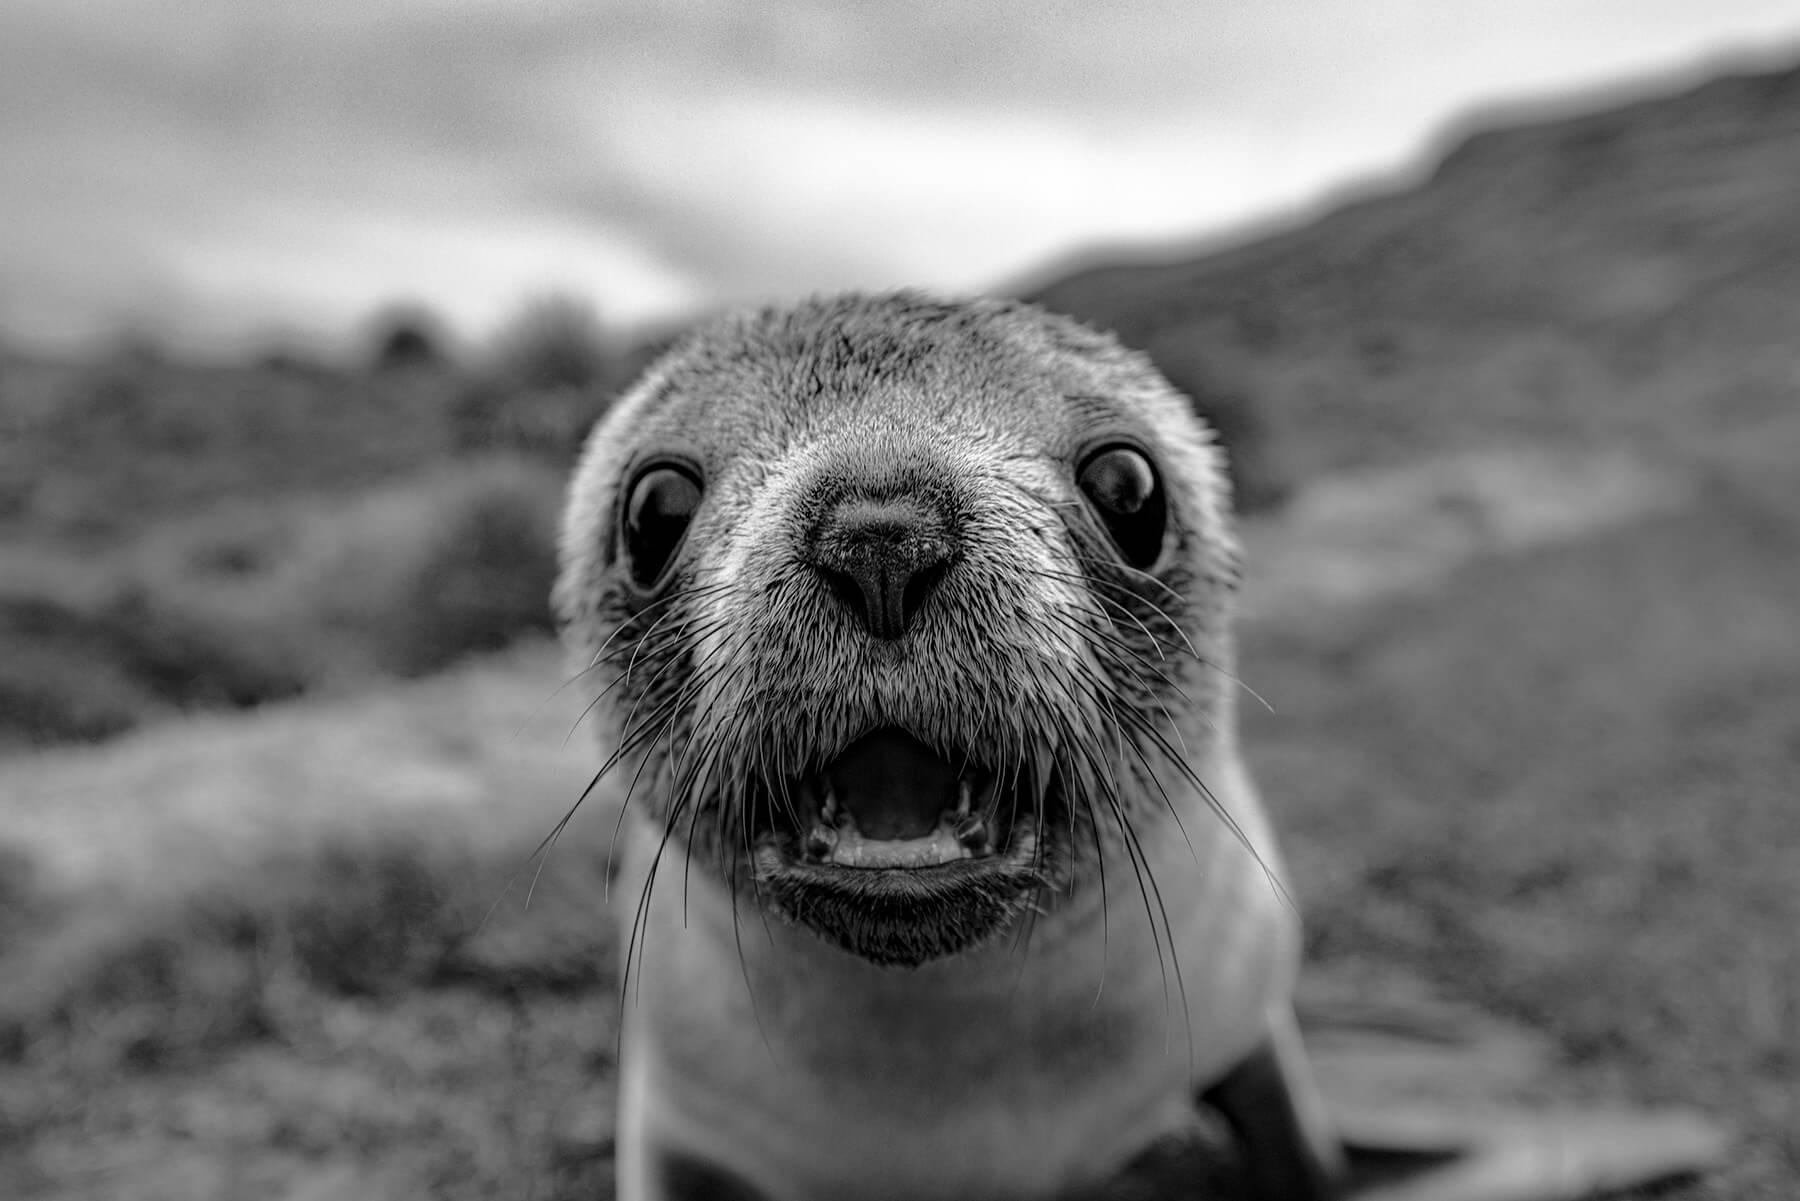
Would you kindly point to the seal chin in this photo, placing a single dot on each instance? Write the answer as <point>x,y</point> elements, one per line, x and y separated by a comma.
<point>900,916</point>
<point>898,856</point>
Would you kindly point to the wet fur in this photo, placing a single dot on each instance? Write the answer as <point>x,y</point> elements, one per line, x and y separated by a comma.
<point>1057,1030</point>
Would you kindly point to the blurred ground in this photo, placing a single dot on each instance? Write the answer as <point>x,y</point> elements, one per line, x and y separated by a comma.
<point>250,953</point>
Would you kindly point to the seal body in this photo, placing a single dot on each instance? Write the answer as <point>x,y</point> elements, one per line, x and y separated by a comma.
<point>908,624</point>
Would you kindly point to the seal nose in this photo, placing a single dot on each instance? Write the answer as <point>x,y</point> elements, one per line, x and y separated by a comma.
<point>883,556</point>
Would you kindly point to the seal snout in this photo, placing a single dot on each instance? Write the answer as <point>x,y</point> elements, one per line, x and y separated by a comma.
<point>882,556</point>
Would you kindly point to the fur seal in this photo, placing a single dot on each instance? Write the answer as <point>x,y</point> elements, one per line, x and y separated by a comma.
<point>910,623</point>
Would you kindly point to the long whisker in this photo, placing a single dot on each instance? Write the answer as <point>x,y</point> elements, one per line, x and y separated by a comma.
<point>1169,755</point>
<point>695,636</point>
<point>1084,779</point>
<point>1100,581</point>
<point>1096,581</point>
<point>600,656</point>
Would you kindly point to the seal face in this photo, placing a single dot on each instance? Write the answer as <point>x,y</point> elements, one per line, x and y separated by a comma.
<point>897,596</point>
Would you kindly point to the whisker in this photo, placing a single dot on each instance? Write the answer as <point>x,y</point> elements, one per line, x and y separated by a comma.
<point>1093,581</point>
<point>599,657</point>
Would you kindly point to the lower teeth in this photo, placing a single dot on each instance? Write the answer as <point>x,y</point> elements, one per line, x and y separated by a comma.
<point>843,845</point>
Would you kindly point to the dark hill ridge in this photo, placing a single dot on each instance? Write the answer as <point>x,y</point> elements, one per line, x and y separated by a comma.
<point>1633,271</point>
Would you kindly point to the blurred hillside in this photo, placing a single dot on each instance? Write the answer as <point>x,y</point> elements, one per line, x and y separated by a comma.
<point>1630,274</point>
<point>178,536</point>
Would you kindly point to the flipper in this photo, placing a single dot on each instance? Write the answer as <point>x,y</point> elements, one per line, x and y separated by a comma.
<point>674,1176</point>
<point>1516,1156</point>
<point>1288,1149</point>
<point>1356,1141</point>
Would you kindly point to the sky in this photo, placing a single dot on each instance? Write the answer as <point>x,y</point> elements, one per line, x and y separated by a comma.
<point>214,173</point>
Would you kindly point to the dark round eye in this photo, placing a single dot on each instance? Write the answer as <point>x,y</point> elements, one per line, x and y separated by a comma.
<point>1122,486</point>
<point>661,503</point>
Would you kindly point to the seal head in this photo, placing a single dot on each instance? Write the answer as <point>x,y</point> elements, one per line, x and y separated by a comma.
<point>901,608</point>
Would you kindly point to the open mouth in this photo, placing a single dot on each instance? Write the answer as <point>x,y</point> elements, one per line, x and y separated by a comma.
<point>900,854</point>
<point>890,802</point>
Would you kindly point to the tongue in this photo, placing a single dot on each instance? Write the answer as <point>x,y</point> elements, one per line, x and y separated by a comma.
<point>895,786</point>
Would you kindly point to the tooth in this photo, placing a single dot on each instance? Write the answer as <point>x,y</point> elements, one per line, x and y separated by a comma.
<point>820,842</point>
<point>830,806</point>
<point>972,832</point>
<point>964,794</point>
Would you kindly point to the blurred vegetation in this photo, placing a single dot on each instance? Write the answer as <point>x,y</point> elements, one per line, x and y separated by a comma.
<point>407,337</point>
<point>539,386</point>
<point>178,536</point>
<point>555,341</point>
<point>239,607</point>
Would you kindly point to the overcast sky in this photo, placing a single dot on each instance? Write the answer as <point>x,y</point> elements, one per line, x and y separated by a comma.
<point>216,169</point>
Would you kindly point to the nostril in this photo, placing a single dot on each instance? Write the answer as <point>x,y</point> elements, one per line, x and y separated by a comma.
<point>886,587</point>
<point>882,558</point>
<point>845,586</point>
<point>922,584</point>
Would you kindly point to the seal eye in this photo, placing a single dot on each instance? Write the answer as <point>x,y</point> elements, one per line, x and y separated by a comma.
<point>658,510</point>
<point>1122,486</point>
